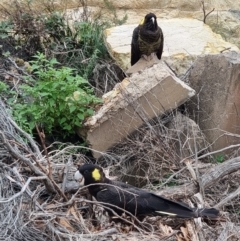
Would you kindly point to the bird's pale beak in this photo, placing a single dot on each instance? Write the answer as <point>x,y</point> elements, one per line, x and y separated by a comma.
<point>79,178</point>
<point>153,20</point>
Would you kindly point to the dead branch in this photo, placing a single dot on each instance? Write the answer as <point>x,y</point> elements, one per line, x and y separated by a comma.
<point>225,49</point>
<point>42,138</point>
<point>204,12</point>
<point>192,231</point>
<point>31,159</point>
<point>191,170</point>
<point>201,189</point>
<point>66,170</point>
<point>24,134</point>
<point>218,151</point>
<point>213,175</point>
<point>216,173</point>
<point>27,161</point>
<point>20,70</point>
<point>228,227</point>
<point>28,191</point>
<point>103,233</point>
<point>25,186</point>
<point>228,198</point>
<point>172,176</point>
<point>134,222</point>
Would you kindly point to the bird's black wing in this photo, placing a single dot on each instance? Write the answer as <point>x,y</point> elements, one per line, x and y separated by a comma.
<point>135,52</point>
<point>160,49</point>
<point>140,202</point>
<point>143,203</point>
<point>123,196</point>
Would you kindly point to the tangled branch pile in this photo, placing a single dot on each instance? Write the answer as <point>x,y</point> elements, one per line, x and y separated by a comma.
<point>39,200</point>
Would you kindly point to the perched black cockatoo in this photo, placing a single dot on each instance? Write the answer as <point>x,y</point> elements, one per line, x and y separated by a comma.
<point>147,39</point>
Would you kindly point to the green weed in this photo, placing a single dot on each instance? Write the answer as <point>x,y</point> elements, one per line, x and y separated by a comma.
<point>57,99</point>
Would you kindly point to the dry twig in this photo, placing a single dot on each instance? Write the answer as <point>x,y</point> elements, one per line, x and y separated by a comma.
<point>204,12</point>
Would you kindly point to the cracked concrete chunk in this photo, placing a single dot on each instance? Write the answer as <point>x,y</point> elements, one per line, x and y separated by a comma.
<point>133,102</point>
<point>216,106</point>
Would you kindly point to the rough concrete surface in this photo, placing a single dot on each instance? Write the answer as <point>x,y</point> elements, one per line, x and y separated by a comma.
<point>216,106</point>
<point>137,99</point>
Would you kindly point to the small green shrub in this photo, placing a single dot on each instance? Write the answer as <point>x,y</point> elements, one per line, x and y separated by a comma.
<point>5,28</point>
<point>80,47</point>
<point>57,99</point>
<point>219,158</point>
<point>3,87</point>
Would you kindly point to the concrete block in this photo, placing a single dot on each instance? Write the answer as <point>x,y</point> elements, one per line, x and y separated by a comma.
<point>132,103</point>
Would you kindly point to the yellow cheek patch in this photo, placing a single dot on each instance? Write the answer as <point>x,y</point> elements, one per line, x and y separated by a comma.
<point>96,175</point>
<point>141,22</point>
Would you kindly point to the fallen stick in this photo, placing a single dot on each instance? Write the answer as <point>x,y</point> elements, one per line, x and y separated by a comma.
<point>224,235</point>
<point>103,233</point>
<point>209,178</point>
<point>24,187</point>
<point>227,199</point>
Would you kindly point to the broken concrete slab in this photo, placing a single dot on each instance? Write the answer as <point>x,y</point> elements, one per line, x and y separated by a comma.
<point>133,102</point>
<point>143,63</point>
<point>216,106</point>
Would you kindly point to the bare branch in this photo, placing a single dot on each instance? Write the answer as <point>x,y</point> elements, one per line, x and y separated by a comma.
<point>103,233</point>
<point>26,135</point>
<point>42,138</point>
<point>204,12</point>
<point>213,175</point>
<point>25,186</point>
<point>228,198</point>
<point>228,227</point>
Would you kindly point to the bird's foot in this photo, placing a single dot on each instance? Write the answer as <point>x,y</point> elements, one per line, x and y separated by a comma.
<point>145,57</point>
<point>153,55</point>
<point>149,57</point>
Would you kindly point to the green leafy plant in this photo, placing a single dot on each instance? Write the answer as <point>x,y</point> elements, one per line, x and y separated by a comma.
<point>3,87</point>
<point>57,99</point>
<point>219,158</point>
<point>5,28</point>
<point>80,47</point>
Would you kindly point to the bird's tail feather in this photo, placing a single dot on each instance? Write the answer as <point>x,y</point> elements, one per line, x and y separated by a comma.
<point>182,210</point>
<point>208,212</point>
<point>176,209</point>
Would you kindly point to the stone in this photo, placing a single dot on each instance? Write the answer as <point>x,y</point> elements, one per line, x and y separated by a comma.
<point>184,40</point>
<point>186,135</point>
<point>131,103</point>
<point>216,105</point>
<point>183,5</point>
<point>227,23</point>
